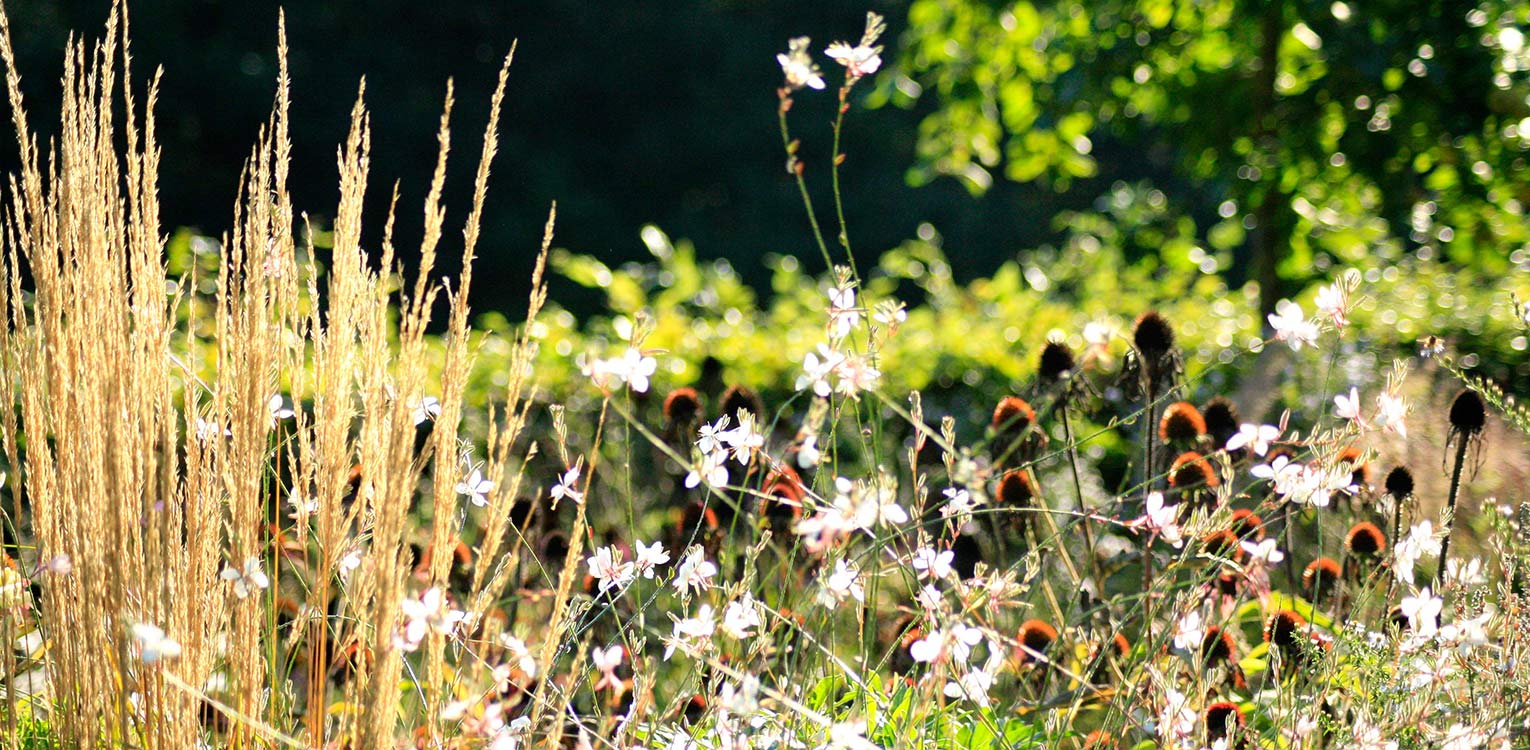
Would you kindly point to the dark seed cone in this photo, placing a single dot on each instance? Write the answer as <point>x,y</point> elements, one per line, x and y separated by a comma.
<point>740,397</point>
<point>966,553</point>
<point>1221,419</point>
<point>1056,362</point>
<point>1181,424</point>
<point>1034,635</point>
<point>1399,483</point>
<point>1319,578</point>
<point>1365,540</point>
<point>1013,439</point>
<point>1224,721</point>
<point>1153,336</point>
<point>1247,525</point>
<point>682,413</point>
<point>1468,413</point>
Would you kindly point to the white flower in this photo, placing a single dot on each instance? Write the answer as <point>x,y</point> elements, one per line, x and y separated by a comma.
<point>280,409</point>
<point>798,65</point>
<point>844,582</point>
<point>208,429</point>
<point>431,613</point>
<point>930,599</point>
<point>475,487</point>
<point>1423,612</point>
<point>808,455</point>
<point>61,565</point>
<point>1189,632</point>
<point>1468,573</point>
<point>606,566</point>
<point>1333,301</point>
<point>744,440</point>
<point>816,369</point>
<point>650,557</point>
<point>857,375</point>
<point>713,470</point>
<point>694,572</point>
<point>973,686</point>
<point>859,61</point>
<point>1257,436</point>
<point>929,649</point>
<point>425,409</point>
<point>251,578</point>
<point>517,651</point>
<point>1391,411</point>
<point>1162,519</point>
<point>1347,407</point>
<point>843,314</point>
<point>846,735</point>
<point>1419,541</point>
<point>566,483</point>
<point>878,506</point>
<point>1176,722</point>
<point>691,630</point>
<point>963,638</point>
<point>1368,736</point>
<point>1292,326</point>
<point>1282,472</point>
<point>931,563</point>
<point>710,436</point>
<point>1263,553</point>
<point>607,660</point>
<point>959,504</point>
<point>740,617</point>
<point>638,368</point>
<point>152,645</point>
<point>1463,737</point>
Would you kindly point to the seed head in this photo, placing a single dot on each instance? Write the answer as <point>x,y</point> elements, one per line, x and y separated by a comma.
<point>1319,576</point>
<point>1016,490</point>
<point>1192,469</point>
<point>1056,362</point>
<point>682,407</point>
<point>1181,423</point>
<point>1218,718</point>
<point>1284,629</point>
<point>1247,525</point>
<point>1013,415</point>
<point>1153,336</point>
<point>1035,635</point>
<point>1221,419</point>
<point>1218,647</point>
<point>1468,413</point>
<point>1399,483</point>
<point>1365,540</point>
<point>741,397</point>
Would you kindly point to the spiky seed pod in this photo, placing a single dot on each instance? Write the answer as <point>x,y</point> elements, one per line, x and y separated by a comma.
<point>1037,636</point>
<point>1319,577</point>
<point>1468,413</point>
<point>1013,415</point>
<point>1223,543</point>
<point>966,553</point>
<point>1190,470</point>
<point>1222,420</point>
<point>742,398</point>
<point>1247,525</point>
<point>1153,336</point>
<point>1016,489</point>
<point>1056,362</point>
<point>1224,719</point>
<point>1285,630</point>
<point>1218,649</point>
<point>1399,483</point>
<point>1181,423</point>
<point>682,407</point>
<point>1365,540</point>
<point>1360,471</point>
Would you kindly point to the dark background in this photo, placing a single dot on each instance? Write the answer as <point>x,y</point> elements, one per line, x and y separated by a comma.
<point>624,113</point>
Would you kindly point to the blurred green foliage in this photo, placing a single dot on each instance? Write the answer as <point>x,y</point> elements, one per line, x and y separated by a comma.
<point>1314,132</point>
